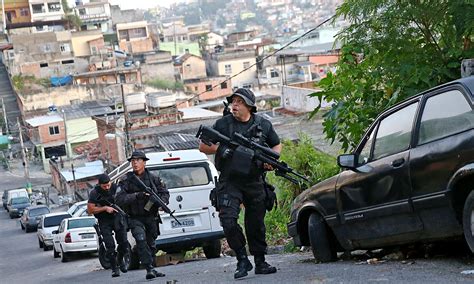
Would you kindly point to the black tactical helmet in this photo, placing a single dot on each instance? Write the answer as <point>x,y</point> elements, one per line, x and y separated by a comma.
<point>138,155</point>
<point>247,95</point>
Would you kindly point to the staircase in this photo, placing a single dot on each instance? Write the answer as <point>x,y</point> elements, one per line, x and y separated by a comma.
<point>9,99</point>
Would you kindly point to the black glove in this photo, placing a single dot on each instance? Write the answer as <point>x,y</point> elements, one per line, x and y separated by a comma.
<point>140,195</point>
<point>224,151</point>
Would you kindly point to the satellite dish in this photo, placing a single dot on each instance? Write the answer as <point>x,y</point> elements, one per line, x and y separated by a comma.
<point>261,104</point>
<point>120,123</point>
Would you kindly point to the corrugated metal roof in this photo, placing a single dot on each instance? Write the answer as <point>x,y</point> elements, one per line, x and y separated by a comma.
<point>91,169</point>
<point>195,112</point>
<point>178,141</point>
<point>43,120</point>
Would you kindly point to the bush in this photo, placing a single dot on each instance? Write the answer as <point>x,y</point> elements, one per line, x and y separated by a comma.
<point>163,84</point>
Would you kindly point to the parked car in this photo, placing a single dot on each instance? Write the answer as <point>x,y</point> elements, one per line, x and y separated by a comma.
<point>76,206</point>
<point>47,224</point>
<point>4,198</point>
<point>76,234</point>
<point>81,212</point>
<point>189,177</point>
<point>16,193</point>
<point>31,217</point>
<point>17,205</point>
<point>409,180</point>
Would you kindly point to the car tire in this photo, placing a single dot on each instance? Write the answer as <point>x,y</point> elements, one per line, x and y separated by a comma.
<point>27,229</point>
<point>40,243</point>
<point>212,249</point>
<point>64,256</point>
<point>55,253</point>
<point>21,225</point>
<point>103,259</point>
<point>323,248</point>
<point>45,247</point>
<point>468,220</point>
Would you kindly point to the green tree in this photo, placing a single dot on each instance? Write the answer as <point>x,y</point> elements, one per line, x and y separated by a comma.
<point>392,50</point>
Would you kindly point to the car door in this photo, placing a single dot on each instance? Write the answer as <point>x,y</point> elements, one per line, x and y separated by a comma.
<point>58,236</point>
<point>445,142</point>
<point>374,199</point>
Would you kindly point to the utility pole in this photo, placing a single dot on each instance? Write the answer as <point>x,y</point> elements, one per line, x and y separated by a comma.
<point>23,153</point>
<point>5,118</point>
<point>3,17</point>
<point>125,113</point>
<point>66,142</point>
<point>74,179</point>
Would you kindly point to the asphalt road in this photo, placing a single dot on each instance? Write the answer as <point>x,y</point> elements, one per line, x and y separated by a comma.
<point>22,261</point>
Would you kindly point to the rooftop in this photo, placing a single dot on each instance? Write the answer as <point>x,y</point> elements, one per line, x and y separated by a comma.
<point>43,120</point>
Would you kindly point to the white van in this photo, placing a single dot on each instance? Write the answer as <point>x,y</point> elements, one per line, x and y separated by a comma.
<point>189,177</point>
<point>21,192</point>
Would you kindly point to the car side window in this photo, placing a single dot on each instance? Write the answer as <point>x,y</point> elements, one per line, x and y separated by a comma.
<point>40,224</point>
<point>394,132</point>
<point>445,114</point>
<point>364,155</point>
<point>61,227</point>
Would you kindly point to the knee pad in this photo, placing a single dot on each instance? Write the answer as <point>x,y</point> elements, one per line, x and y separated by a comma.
<point>140,238</point>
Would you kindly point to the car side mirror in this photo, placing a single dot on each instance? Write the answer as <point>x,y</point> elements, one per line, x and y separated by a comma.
<point>347,161</point>
<point>54,232</point>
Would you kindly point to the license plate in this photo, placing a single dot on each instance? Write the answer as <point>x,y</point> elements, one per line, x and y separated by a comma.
<point>184,223</point>
<point>87,236</point>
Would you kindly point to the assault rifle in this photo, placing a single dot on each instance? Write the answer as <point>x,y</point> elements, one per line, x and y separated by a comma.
<point>115,206</point>
<point>257,151</point>
<point>156,198</point>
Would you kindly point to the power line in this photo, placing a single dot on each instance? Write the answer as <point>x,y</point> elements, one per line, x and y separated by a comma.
<point>265,57</point>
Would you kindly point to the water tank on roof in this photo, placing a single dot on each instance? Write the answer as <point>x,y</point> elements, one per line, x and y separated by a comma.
<point>152,100</point>
<point>135,101</point>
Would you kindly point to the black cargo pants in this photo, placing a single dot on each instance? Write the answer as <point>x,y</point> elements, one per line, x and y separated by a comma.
<point>118,226</point>
<point>145,231</point>
<point>252,195</point>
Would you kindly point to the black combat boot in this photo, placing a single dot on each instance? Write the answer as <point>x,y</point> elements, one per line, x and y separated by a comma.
<point>243,264</point>
<point>121,261</point>
<point>152,273</point>
<point>113,266</point>
<point>262,267</point>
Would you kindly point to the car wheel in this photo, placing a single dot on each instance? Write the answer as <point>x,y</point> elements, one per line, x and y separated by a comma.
<point>103,259</point>
<point>40,243</point>
<point>45,247</point>
<point>323,248</point>
<point>21,225</point>
<point>468,220</point>
<point>55,253</point>
<point>212,249</point>
<point>64,256</point>
<point>27,230</point>
<point>134,260</point>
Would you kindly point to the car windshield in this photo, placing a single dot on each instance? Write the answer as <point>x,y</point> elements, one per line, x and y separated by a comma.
<point>81,223</point>
<point>20,200</point>
<point>39,211</point>
<point>53,221</point>
<point>75,207</point>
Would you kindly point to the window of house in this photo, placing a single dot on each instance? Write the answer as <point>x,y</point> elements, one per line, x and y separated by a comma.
<point>196,88</point>
<point>54,7</point>
<point>53,130</point>
<point>136,33</point>
<point>82,12</point>
<point>65,47</point>
<point>444,115</point>
<point>123,34</point>
<point>246,64</point>
<point>71,61</point>
<point>228,69</point>
<point>42,65</point>
<point>208,87</point>
<point>224,85</point>
<point>94,50</point>
<point>24,12</point>
<point>394,133</point>
<point>122,78</point>
<point>38,8</point>
<point>188,67</point>
<point>274,73</point>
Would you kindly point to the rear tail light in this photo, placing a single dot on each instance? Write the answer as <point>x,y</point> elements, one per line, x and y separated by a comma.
<point>67,239</point>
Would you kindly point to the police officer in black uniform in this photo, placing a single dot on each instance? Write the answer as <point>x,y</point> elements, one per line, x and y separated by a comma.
<point>143,212</point>
<point>100,199</point>
<point>234,189</point>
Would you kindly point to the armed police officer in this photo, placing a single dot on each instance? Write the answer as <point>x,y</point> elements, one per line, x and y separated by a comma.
<point>100,203</point>
<point>142,209</point>
<point>236,188</point>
